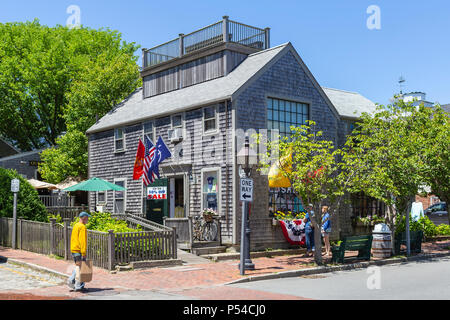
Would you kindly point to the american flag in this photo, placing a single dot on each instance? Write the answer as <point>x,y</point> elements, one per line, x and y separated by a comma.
<point>149,176</point>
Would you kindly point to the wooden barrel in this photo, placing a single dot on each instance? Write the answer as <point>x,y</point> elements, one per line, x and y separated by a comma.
<point>381,245</point>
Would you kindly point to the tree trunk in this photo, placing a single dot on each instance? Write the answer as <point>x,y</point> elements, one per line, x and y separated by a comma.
<point>318,245</point>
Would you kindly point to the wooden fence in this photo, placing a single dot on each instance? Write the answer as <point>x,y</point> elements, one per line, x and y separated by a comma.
<point>105,249</point>
<point>67,212</point>
<point>57,200</point>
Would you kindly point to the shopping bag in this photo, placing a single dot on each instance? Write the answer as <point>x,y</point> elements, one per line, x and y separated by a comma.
<point>86,271</point>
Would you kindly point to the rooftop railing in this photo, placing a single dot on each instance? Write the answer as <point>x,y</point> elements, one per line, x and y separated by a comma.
<point>223,31</point>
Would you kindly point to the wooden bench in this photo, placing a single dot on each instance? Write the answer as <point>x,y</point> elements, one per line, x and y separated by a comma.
<point>362,244</point>
<point>415,241</point>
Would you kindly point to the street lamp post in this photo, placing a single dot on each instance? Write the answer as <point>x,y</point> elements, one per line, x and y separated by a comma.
<point>246,158</point>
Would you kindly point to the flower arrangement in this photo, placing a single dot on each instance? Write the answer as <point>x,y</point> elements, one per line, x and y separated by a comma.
<point>369,220</point>
<point>289,215</point>
<point>208,214</point>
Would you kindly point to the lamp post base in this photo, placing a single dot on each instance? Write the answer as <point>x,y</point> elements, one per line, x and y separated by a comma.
<point>248,265</point>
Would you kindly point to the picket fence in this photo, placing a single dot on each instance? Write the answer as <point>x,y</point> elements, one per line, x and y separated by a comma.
<point>105,249</point>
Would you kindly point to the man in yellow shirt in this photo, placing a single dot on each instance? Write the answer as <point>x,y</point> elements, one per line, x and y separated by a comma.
<point>78,245</point>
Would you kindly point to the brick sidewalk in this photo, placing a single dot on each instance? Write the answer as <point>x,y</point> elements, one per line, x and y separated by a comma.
<point>191,280</point>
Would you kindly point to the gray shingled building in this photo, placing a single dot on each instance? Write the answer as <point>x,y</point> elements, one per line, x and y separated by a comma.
<point>201,93</point>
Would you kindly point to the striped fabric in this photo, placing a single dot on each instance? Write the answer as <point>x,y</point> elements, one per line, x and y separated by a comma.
<point>149,176</point>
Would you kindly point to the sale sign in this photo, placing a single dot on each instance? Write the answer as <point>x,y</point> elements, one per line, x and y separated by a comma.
<point>157,193</point>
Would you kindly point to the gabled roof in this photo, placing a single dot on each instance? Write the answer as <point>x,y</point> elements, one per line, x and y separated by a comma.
<point>349,104</point>
<point>21,155</point>
<point>135,108</point>
<point>7,149</point>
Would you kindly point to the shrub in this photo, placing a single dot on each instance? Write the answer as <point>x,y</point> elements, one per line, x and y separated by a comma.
<point>102,221</point>
<point>424,223</point>
<point>29,206</point>
<point>443,229</point>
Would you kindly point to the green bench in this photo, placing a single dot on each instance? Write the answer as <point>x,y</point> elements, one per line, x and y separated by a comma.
<point>362,244</point>
<point>415,241</point>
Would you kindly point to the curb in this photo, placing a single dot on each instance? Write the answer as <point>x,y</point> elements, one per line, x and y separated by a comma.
<point>256,254</point>
<point>327,269</point>
<point>37,268</point>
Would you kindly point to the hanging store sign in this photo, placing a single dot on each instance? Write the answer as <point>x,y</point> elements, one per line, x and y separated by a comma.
<point>157,193</point>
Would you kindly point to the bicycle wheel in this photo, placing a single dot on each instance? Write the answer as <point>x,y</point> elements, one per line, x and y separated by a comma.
<point>210,231</point>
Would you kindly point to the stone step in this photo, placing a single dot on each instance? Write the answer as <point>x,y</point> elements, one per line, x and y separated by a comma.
<point>208,250</point>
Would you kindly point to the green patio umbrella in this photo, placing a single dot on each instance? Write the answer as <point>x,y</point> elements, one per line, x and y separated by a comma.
<point>95,184</point>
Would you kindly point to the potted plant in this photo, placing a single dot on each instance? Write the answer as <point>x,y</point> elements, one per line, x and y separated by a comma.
<point>208,214</point>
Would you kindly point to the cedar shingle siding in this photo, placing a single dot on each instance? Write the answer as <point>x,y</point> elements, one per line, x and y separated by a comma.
<point>280,74</point>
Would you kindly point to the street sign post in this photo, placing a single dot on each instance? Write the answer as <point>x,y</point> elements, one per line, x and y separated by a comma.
<point>15,187</point>
<point>246,187</point>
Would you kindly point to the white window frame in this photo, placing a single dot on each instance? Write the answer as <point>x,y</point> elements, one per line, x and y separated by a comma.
<point>124,195</point>
<point>219,181</point>
<point>123,139</point>
<point>182,120</point>
<point>153,131</point>
<point>101,203</point>
<point>216,130</point>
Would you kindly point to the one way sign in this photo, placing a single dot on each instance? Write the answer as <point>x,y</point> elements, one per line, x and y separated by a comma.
<point>246,190</point>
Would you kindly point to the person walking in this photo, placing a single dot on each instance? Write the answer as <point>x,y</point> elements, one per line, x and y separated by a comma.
<point>309,231</point>
<point>78,245</point>
<point>326,229</point>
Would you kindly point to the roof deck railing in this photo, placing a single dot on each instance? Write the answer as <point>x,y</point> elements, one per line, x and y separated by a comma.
<point>223,31</point>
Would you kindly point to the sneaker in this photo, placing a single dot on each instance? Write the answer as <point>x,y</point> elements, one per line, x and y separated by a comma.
<point>70,284</point>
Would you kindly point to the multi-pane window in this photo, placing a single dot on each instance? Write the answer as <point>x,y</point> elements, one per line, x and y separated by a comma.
<point>210,190</point>
<point>282,114</point>
<point>363,206</point>
<point>101,197</point>
<point>209,119</point>
<point>119,197</point>
<point>177,121</point>
<point>284,200</point>
<point>119,141</point>
<point>148,129</point>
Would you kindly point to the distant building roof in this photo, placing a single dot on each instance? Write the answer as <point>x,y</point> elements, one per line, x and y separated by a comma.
<point>6,149</point>
<point>349,104</point>
<point>20,155</point>
<point>446,107</point>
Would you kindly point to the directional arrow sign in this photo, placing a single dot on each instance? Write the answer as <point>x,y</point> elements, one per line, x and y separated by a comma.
<point>246,187</point>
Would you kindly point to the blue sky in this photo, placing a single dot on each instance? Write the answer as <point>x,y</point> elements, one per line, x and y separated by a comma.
<point>331,36</point>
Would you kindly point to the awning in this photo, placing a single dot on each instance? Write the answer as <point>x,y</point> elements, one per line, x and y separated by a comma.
<point>42,185</point>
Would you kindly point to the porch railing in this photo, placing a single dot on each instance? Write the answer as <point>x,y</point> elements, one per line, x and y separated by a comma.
<point>57,200</point>
<point>223,31</point>
<point>194,229</point>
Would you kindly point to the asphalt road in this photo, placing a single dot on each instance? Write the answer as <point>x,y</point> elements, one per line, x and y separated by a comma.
<point>428,279</point>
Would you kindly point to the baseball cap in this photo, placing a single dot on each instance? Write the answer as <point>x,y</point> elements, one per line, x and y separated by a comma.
<point>84,214</point>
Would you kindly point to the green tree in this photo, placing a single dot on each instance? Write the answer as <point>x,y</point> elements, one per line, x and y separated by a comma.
<point>387,155</point>
<point>312,166</point>
<point>435,127</point>
<point>29,206</point>
<point>55,80</point>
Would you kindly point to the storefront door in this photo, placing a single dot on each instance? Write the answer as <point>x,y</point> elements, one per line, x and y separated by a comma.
<point>157,201</point>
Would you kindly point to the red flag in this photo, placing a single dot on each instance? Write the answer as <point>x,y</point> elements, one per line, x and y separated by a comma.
<point>139,162</point>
